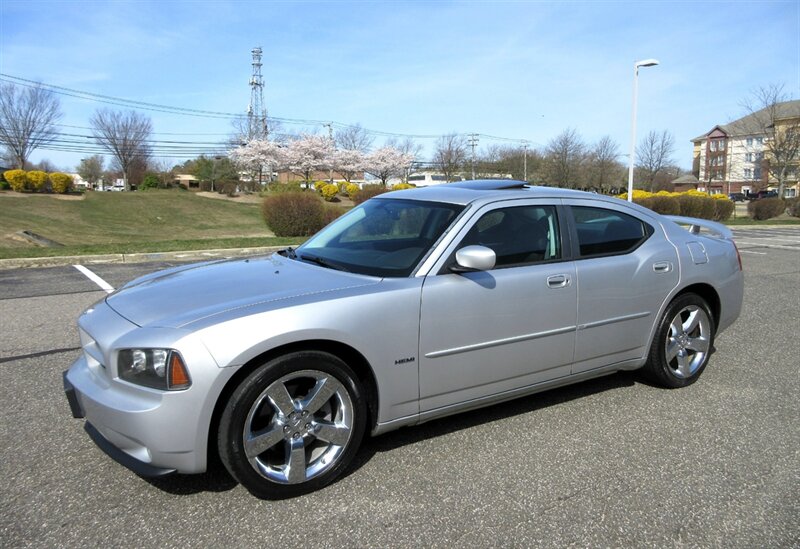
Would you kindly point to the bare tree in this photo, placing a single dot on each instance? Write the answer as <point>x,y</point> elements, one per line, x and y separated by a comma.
<point>778,119</point>
<point>450,155</point>
<point>654,154</point>
<point>125,135</point>
<point>91,169</point>
<point>565,155</point>
<point>353,138</point>
<point>604,167</point>
<point>27,116</point>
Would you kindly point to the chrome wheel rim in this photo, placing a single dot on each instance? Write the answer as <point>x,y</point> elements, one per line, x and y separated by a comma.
<point>298,427</point>
<point>688,341</point>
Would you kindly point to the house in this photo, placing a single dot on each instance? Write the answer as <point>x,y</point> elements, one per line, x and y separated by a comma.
<point>735,157</point>
<point>685,183</point>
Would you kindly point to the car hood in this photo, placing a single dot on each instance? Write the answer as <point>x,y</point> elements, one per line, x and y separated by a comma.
<point>179,296</point>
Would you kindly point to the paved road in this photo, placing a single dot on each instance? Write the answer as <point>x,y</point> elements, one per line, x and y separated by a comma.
<point>611,462</point>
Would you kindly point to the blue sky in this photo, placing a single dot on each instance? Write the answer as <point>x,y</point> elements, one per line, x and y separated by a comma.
<point>522,69</point>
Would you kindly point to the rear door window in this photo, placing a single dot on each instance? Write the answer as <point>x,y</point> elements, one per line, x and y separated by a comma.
<point>601,231</point>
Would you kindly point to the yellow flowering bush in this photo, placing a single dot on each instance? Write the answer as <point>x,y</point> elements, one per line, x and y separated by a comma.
<point>61,182</point>
<point>37,179</point>
<point>692,203</point>
<point>351,189</point>
<point>329,191</point>
<point>18,179</point>
<point>402,187</point>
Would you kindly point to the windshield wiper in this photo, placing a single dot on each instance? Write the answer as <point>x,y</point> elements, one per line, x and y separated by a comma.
<point>288,252</point>
<point>322,262</point>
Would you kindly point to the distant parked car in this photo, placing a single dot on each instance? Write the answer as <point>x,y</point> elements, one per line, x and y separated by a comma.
<point>737,197</point>
<point>414,305</point>
<point>762,194</point>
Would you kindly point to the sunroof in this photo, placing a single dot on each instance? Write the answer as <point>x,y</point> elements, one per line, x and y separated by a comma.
<point>490,184</point>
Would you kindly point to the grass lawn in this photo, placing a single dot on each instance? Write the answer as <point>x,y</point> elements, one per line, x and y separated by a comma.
<point>114,222</point>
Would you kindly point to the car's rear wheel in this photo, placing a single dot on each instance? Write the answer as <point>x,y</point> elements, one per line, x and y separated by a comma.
<point>293,425</point>
<point>682,343</point>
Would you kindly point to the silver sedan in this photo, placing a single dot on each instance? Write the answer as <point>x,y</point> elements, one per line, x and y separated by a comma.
<point>414,305</point>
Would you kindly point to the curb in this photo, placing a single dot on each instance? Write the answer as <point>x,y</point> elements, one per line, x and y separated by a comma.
<point>144,257</point>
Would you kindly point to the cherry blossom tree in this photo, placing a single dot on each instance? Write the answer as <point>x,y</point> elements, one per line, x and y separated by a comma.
<point>308,154</point>
<point>258,156</point>
<point>387,162</point>
<point>348,162</point>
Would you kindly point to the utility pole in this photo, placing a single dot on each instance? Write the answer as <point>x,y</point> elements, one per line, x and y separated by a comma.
<point>473,142</point>
<point>329,125</point>
<point>525,160</point>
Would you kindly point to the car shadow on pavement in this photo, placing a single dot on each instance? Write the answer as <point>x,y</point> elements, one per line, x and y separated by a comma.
<point>217,479</point>
<point>497,412</point>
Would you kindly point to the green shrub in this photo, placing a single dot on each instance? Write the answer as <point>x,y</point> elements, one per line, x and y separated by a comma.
<point>331,212</point>
<point>723,208</point>
<point>793,207</point>
<point>367,192</point>
<point>18,179</point>
<point>61,182</point>
<point>766,208</point>
<point>696,205</point>
<point>4,185</point>
<point>666,205</point>
<point>329,191</point>
<point>37,180</point>
<point>290,187</point>
<point>293,214</point>
<point>150,181</point>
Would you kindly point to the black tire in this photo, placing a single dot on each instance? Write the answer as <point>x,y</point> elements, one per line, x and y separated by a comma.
<point>288,430</point>
<point>681,347</point>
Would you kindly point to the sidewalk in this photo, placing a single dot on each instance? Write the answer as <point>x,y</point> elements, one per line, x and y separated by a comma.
<point>194,255</point>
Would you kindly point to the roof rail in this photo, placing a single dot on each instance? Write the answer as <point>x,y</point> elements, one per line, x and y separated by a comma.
<point>489,184</point>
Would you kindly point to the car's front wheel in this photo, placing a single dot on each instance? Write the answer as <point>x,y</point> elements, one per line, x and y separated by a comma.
<point>293,425</point>
<point>683,342</point>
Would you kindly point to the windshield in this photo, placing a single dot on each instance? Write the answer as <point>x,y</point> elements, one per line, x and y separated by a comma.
<point>381,237</point>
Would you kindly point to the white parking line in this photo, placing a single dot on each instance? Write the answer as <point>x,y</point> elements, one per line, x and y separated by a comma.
<point>105,286</point>
<point>764,245</point>
<point>752,252</point>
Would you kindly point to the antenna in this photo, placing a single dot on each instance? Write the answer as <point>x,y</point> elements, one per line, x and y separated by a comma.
<point>256,110</point>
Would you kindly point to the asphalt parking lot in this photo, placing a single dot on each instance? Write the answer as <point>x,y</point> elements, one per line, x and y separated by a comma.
<point>610,462</point>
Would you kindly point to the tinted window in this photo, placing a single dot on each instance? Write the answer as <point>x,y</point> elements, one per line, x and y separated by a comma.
<point>603,232</point>
<point>518,235</point>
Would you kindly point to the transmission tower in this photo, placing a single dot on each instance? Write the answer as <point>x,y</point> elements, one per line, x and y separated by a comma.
<point>256,110</point>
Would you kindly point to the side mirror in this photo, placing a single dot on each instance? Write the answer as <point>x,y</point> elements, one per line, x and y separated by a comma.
<point>474,258</point>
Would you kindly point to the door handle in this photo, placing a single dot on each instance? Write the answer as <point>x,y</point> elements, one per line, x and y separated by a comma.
<point>557,281</point>
<point>662,266</point>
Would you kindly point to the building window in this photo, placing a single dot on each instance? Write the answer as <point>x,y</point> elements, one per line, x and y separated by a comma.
<point>749,141</point>
<point>757,173</point>
<point>748,173</point>
<point>748,157</point>
<point>759,140</point>
<point>759,157</point>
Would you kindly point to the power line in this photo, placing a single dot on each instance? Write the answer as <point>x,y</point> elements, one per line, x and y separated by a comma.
<point>201,113</point>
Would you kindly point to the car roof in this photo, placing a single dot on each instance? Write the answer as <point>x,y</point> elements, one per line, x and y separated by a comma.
<point>487,190</point>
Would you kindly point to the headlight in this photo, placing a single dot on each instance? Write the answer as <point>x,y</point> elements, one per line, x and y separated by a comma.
<point>156,368</point>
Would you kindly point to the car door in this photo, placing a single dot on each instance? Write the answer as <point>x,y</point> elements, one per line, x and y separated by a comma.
<point>483,333</point>
<point>625,268</point>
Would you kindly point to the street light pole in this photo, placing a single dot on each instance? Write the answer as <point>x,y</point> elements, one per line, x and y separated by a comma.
<point>632,156</point>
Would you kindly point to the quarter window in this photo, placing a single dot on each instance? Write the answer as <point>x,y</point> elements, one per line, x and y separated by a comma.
<point>606,232</point>
<point>519,235</point>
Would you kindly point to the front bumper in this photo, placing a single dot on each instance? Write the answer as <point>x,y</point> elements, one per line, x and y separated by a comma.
<point>150,432</point>
<point>137,466</point>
